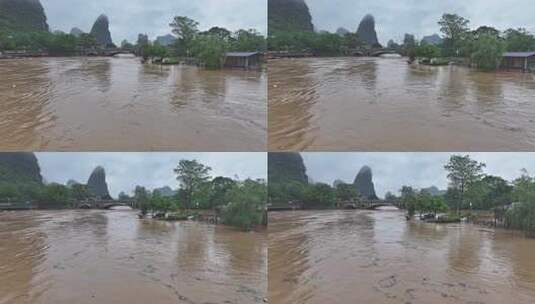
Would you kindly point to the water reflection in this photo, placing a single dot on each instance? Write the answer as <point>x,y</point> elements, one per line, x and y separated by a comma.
<point>379,257</point>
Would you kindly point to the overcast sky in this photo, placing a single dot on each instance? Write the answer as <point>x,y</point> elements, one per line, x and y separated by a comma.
<point>421,170</point>
<point>395,18</point>
<point>153,170</point>
<point>129,18</point>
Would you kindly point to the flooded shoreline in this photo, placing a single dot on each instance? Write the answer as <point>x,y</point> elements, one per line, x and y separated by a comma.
<point>119,104</point>
<point>372,104</point>
<point>111,256</point>
<point>379,257</point>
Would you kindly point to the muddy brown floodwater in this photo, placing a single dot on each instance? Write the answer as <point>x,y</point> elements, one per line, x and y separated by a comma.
<point>65,257</point>
<point>119,104</point>
<point>377,257</point>
<point>385,104</point>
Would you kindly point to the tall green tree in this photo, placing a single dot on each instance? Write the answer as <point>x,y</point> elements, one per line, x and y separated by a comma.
<point>191,175</point>
<point>409,199</point>
<point>185,29</point>
<point>455,29</point>
<point>142,198</point>
<point>463,171</point>
<point>220,188</point>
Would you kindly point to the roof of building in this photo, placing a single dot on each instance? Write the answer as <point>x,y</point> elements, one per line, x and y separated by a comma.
<point>241,54</point>
<point>519,54</point>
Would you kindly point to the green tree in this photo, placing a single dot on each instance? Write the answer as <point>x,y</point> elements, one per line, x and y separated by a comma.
<point>63,44</point>
<point>437,205</point>
<point>409,200</point>
<point>319,196</point>
<point>522,214</point>
<point>221,32</point>
<point>220,188</point>
<point>426,50</point>
<point>186,30</point>
<point>191,175</point>
<point>247,205</point>
<point>410,47</point>
<point>142,45</point>
<point>56,195</point>
<point>455,29</point>
<point>487,51</point>
<point>155,50</point>
<point>161,204</point>
<point>142,199</point>
<point>519,40</point>
<point>346,193</point>
<point>9,192</point>
<point>282,193</point>
<point>80,192</point>
<point>463,171</point>
<point>210,50</point>
<point>249,41</point>
<point>87,41</point>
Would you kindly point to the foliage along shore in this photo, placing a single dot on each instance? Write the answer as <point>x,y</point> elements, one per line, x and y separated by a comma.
<point>481,48</point>
<point>473,196</point>
<point>207,47</point>
<point>240,203</point>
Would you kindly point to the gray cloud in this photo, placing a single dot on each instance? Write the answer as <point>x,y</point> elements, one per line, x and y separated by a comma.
<point>393,170</point>
<point>153,170</point>
<point>129,18</point>
<point>395,18</point>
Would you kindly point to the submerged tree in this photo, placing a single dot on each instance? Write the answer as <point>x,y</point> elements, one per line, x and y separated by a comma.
<point>487,51</point>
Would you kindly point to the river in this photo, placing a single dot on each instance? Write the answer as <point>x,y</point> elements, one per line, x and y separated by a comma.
<point>385,104</point>
<point>119,104</point>
<point>377,257</point>
<point>65,257</point>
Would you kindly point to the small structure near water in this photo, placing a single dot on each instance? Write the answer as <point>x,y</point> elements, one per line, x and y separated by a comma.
<point>244,60</point>
<point>519,60</point>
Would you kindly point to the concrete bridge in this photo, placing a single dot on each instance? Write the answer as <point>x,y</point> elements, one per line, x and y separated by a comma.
<point>109,52</point>
<point>374,52</point>
<point>105,204</point>
<point>368,205</point>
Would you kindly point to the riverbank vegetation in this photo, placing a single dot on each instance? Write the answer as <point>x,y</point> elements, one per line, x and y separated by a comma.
<point>45,196</point>
<point>312,195</point>
<point>189,44</point>
<point>482,47</point>
<point>46,43</point>
<point>207,48</point>
<point>478,197</point>
<point>233,202</point>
